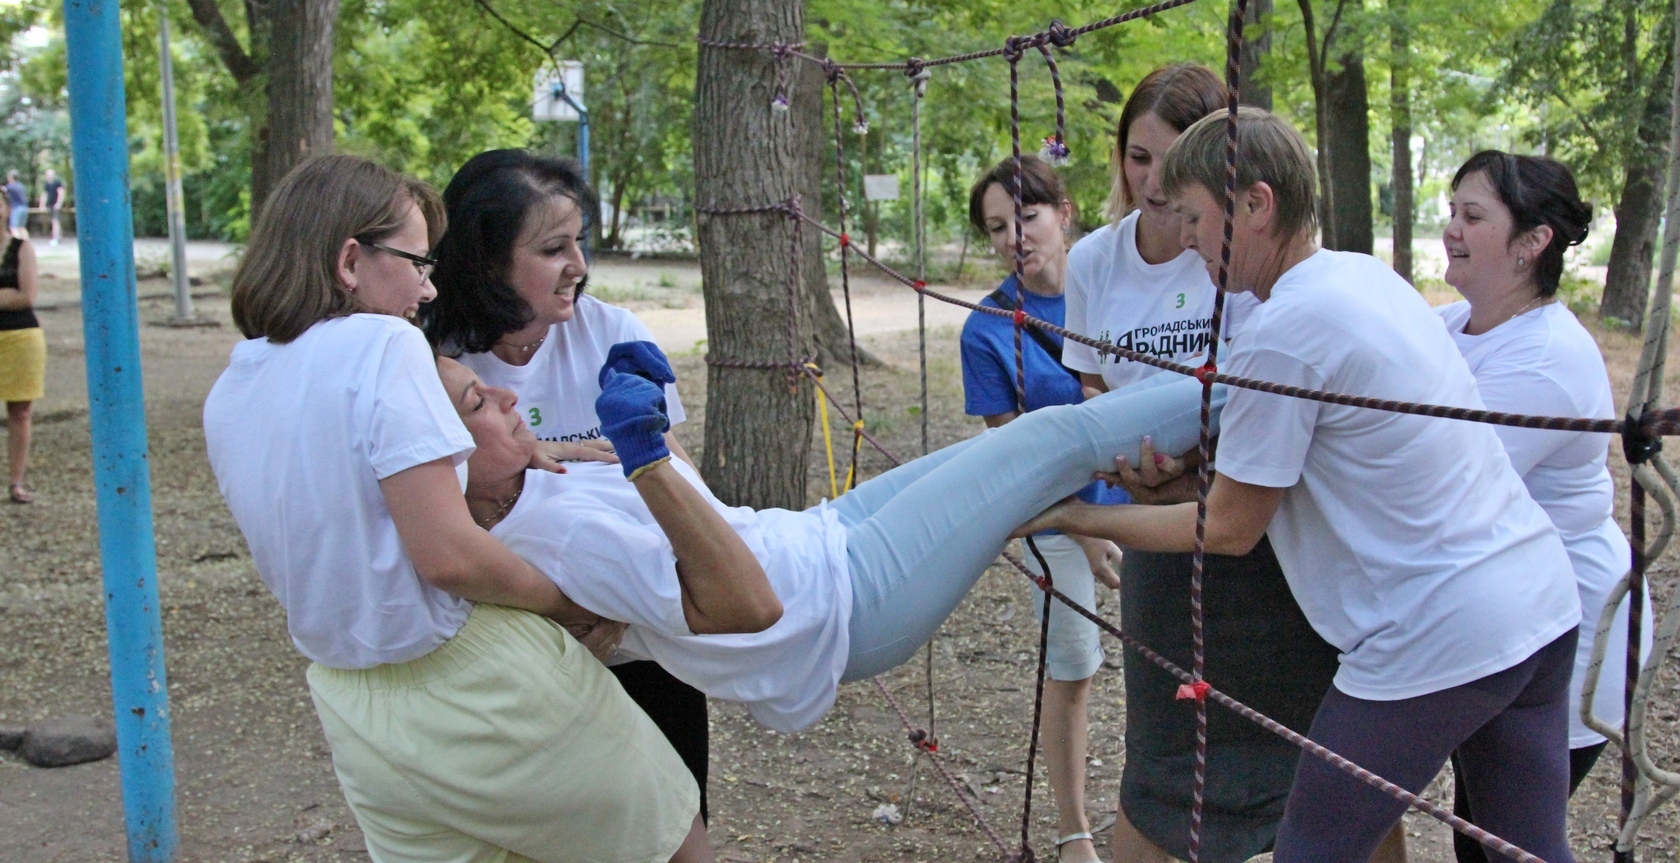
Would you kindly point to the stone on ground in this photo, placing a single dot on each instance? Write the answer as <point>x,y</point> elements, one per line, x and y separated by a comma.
<point>64,742</point>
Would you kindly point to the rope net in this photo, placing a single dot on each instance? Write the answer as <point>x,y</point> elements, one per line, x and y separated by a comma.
<point>1645,784</point>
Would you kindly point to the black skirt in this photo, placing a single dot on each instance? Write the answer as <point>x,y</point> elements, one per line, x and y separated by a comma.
<point>1260,651</point>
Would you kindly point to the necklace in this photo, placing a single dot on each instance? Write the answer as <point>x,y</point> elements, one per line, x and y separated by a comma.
<point>525,349</point>
<point>1535,303</point>
<point>501,511</point>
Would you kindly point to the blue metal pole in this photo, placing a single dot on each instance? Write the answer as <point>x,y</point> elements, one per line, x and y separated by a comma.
<point>583,162</point>
<point>116,414</point>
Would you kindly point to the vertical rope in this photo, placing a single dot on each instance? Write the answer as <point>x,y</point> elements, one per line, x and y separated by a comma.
<point>1045,583</point>
<point>834,76</point>
<point>1636,602</point>
<point>918,89</point>
<point>1204,476</point>
<point>1012,52</point>
<point>1055,150</point>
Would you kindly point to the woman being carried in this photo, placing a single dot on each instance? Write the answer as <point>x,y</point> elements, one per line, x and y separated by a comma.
<point>863,582</point>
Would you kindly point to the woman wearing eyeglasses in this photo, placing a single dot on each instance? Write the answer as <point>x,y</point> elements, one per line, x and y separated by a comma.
<point>511,307</point>
<point>464,723</point>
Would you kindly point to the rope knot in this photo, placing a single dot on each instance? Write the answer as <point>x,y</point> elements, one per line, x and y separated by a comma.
<point>1020,317</point>
<point>1014,47</point>
<point>792,207</point>
<point>857,426</point>
<point>914,67</point>
<point>781,50</point>
<point>1205,373</point>
<point>1193,691</point>
<point>923,741</point>
<point>1060,35</point>
<point>1638,444</point>
<point>832,69</point>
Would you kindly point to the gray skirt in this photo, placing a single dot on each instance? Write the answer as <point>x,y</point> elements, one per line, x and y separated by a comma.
<point>1262,652</point>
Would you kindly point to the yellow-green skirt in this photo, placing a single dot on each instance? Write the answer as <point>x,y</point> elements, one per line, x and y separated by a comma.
<point>23,365</point>
<point>509,742</point>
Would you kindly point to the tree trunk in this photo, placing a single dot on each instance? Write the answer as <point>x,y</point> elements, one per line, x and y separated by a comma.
<point>1627,285</point>
<point>300,78</point>
<point>1349,116</point>
<point>1400,107</point>
<point>758,431</point>
<point>810,175</point>
<point>1321,126</point>
<point>1257,43</point>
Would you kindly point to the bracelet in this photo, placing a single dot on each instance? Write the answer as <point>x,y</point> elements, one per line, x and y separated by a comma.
<point>637,473</point>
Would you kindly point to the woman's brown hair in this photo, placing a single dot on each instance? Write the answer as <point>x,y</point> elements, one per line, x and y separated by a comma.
<point>288,279</point>
<point>1180,95</point>
<point>1040,185</point>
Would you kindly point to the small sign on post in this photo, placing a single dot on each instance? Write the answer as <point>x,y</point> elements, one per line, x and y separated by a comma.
<point>547,101</point>
<point>880,187</point>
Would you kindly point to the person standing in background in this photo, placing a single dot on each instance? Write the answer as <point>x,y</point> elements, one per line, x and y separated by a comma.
<point>23,359</point>
<point>52,199</point>
<point>17,197</point>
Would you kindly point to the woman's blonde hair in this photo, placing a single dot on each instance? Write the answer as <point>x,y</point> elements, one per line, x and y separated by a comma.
<point>1269,151</point>
<point>1179,94</point>
<point>288,279</point>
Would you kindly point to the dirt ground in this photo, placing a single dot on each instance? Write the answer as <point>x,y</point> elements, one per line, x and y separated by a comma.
<point>254,780</point>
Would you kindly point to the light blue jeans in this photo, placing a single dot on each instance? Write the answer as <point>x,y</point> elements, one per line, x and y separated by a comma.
<point>919,536</point>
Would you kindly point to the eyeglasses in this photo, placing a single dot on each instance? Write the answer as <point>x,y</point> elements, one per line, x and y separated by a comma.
<point>422,265</point>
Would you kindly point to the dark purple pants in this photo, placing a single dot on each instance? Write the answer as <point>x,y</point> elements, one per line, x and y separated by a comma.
<point>1510,731</point>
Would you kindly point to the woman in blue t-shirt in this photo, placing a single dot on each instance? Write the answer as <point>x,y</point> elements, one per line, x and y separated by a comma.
<point>990,392</point>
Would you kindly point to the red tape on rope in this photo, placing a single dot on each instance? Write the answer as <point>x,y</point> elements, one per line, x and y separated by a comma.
<point>845,239</point>
<point>1193,691</point>
<point>1020,317</point>
<point>919,285</point>
<point>1205,373</point>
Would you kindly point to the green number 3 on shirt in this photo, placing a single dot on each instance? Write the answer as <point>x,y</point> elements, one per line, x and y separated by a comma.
<point>536,418</point>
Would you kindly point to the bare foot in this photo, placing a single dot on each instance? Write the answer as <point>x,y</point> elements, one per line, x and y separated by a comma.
<point>18,495</point>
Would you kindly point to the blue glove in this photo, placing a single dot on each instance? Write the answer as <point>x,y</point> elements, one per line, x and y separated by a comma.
<point>632,412</point>
<point>643,359</point>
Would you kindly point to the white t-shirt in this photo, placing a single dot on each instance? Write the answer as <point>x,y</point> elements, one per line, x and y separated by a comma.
<point>558,387</point>
<point>299,436</point>
<point>1409,542</point>
<point>1165,310</point>
<point>1544,362</point>
<point>590,532</point>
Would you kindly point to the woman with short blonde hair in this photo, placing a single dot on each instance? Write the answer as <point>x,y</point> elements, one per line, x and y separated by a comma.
<point>465,724</point>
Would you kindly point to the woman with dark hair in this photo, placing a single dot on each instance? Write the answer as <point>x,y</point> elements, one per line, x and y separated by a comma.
<point>1134,282</point>
<point>988,365</point>
<point>1513,217</point>
<point>465,724</point>
<point>511,306</point>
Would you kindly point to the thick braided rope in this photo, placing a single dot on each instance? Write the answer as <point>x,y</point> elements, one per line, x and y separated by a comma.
<point>834,79</point>
<point>1046,581</point>
<point>1014,57</point>
<point>1030,41</point>
<point>1055,147</point>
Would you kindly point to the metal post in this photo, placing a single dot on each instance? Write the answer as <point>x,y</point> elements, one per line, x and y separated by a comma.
<point>116,416</point>
<point>583,149</point>
<point>172,177</point>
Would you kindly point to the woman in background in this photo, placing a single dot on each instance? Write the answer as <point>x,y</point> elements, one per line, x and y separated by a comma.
<point>1134,283</point>
<point>23,359</point>
<point>988,364</point>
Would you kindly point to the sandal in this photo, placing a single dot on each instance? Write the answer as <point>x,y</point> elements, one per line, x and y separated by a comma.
<point>18,495</point>
<point>1073,837</point>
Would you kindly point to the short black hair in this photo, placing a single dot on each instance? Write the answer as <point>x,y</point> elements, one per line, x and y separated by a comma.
<point>1538,190</point>
<point>489,201</point>
<point>1040,185</point>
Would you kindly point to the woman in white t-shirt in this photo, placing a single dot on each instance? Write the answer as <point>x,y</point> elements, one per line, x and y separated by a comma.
<point>1513,217</point>
<point>1134,283</point>
<point>511,306</point>
<point>1409,541</point>
<point>464,723</point>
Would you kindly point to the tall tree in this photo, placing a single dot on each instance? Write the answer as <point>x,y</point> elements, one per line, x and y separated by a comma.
<point>1257,43</point>
<point>1400,121</point>
<point>758,428</point>
<point>1627,284</point>
<point>1336,64</point>
<point>284,73</point>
